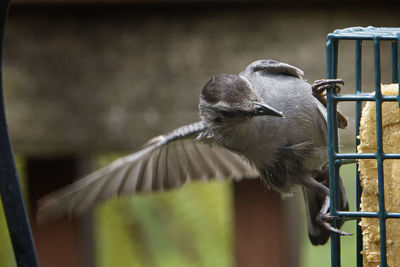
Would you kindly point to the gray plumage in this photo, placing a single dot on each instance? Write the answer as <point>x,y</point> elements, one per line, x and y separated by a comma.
<point>263,122</point>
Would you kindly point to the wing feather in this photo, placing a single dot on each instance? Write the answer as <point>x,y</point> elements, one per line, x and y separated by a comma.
<point>131,179</point>
<point>167,161</point>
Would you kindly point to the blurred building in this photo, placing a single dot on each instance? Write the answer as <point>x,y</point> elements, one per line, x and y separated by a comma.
<point>83,77</point>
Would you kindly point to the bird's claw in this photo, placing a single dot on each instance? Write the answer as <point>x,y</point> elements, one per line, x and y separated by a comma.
<point>330,228</point>
<point>323,219</point>
<point>320,86</point>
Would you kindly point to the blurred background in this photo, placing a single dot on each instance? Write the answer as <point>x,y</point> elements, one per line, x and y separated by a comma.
<point>87,81</point>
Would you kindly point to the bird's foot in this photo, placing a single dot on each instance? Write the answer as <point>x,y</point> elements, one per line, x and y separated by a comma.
<point>324,218</point>
<point>319,88</point>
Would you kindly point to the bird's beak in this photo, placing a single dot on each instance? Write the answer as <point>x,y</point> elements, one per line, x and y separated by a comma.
<point>265,110</point>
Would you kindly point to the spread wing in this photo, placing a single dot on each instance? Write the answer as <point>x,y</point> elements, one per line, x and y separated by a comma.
<point>165,162</point>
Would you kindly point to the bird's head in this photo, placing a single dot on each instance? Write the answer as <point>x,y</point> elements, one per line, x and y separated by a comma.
<point>228,98</point>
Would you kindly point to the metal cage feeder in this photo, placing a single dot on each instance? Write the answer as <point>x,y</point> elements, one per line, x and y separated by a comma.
<point>360,35</point>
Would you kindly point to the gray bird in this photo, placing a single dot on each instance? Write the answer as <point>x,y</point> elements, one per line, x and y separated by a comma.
<point>265,122</point>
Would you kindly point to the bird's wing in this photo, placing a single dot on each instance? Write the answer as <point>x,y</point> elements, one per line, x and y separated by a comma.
<point>165,162</point>
<point>272,66</point>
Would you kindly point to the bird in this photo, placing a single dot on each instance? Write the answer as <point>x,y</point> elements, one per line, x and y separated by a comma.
<point>267,123</point>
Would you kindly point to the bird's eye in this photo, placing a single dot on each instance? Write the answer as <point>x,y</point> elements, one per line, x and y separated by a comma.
<point>227,114</point>
<point>259,110</point>
<point>218,120</point>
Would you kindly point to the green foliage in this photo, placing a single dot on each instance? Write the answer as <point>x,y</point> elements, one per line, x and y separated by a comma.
<point>189,227</point>
<point>6,251</point>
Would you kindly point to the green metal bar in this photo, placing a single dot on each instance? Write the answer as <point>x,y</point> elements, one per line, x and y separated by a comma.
<point>331,71</point>
<point>369,214</point>
<point>363,97</point>
<point>379,151</point>
<point>358,82</point>
<point>368,33</point>
<point>391,156</point>
<point>355,38</point>
<point>356,156</point>
<point>358,214</point>
<point>366,156</point>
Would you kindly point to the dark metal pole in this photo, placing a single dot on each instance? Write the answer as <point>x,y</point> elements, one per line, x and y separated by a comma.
<point>10,190</point>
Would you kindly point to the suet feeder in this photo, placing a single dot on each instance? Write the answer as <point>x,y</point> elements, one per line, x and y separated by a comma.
<point>372,157</point>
